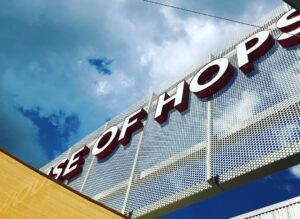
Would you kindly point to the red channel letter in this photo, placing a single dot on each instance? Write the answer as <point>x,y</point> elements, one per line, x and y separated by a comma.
<point>57,171</point>
<point>131,124</point>
<point>211,78</point>
<point>252,49</point>
<point>290,25</point>
<point>74,166</point>
<point>106,143</point>
<point>178,101</point>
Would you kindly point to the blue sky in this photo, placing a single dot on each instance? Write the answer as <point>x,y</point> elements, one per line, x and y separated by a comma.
<point>66,67</point>
<point>260,193</point>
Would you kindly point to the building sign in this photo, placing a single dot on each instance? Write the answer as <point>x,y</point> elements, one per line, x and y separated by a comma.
<point>209,80</point>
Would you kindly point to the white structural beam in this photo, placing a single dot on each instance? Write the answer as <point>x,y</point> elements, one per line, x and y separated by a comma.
<point>137,153</point>
<point>209,135</point>
<point>111,191</point>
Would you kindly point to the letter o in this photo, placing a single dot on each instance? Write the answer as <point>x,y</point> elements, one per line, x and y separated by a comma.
<point>106,143</point>
<point>211,78</point>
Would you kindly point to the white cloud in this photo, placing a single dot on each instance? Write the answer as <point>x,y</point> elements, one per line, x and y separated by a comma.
<point>194,39</point>
<point>295,171</point>
<point>103,88</point>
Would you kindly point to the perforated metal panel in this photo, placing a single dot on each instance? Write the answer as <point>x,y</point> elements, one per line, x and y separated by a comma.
<point>160,167</point>
<point>264,109</point>
<point>252,124</point>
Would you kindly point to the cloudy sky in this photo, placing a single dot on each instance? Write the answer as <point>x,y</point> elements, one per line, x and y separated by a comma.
<point>68,66</point>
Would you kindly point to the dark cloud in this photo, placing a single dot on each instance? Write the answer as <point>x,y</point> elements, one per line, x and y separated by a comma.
<point>101,65</point>
<point>54,130</point>
<point>18,135</point>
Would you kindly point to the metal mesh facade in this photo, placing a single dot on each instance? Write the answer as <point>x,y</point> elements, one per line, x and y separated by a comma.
<point>252,123</point>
